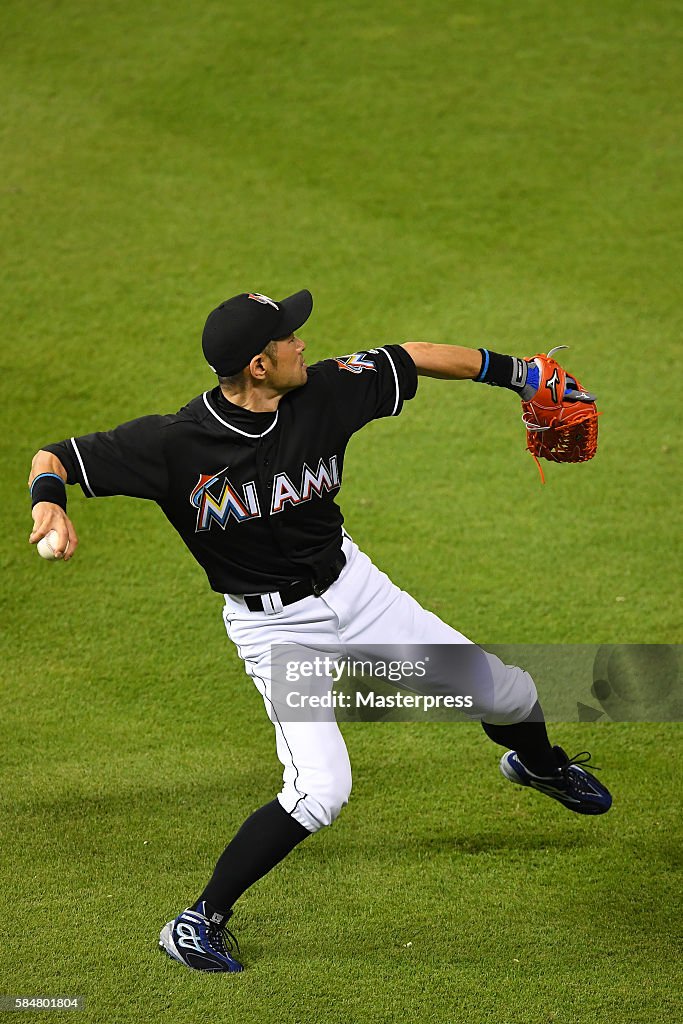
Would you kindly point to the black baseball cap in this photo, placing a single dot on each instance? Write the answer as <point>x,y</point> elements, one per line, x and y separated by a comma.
<point>241,327</point>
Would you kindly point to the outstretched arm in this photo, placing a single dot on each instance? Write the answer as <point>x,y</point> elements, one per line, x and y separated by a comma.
<point>447,362</point>
<point>49,515</point>
<point>452,362</point>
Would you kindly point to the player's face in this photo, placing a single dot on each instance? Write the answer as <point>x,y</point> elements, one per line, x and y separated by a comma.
<point>289,371</point>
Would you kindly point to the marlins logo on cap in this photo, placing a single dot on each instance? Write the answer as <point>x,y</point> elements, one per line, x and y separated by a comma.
<point>263,299</point>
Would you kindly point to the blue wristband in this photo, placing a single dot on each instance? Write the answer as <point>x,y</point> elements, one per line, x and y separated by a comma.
<point>484,364</point>
<point>503,371</point>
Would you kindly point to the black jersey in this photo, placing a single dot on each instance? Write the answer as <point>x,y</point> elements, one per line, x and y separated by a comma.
<point>251,494</point>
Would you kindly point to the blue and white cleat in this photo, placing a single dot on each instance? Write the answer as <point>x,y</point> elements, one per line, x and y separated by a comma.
<point>200,940</point>
<point>572,785</point>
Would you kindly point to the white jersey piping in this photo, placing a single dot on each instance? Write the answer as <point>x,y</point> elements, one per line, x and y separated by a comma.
<point>230,426</point>
<point>80,463</point>
<point>393,370</point>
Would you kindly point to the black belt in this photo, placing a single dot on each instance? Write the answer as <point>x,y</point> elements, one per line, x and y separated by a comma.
<point>299,590</point>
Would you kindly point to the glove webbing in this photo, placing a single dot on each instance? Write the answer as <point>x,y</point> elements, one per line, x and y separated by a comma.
<point>575,440</point>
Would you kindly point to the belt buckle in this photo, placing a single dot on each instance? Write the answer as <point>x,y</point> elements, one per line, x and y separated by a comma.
<point>272,603</point>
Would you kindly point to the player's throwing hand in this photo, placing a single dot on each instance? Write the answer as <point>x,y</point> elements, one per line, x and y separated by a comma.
<point>48,497</point>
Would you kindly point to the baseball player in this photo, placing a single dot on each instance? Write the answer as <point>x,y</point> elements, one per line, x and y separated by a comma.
<point>248,474</point>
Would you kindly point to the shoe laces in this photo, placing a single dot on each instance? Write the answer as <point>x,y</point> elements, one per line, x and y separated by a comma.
<point>580,760</point>
<point>578,780</point>
<point>222,938</point>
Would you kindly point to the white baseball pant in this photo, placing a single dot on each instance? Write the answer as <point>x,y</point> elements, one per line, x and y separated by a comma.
<point>361,607</point>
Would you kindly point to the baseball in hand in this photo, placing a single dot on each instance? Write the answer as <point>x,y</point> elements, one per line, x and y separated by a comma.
<point>48,545</point>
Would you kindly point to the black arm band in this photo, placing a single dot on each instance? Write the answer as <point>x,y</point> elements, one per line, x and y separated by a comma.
<point>502,371</point>
<point>48,487</point>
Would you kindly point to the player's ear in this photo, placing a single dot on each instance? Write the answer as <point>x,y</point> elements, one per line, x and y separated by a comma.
<point>258,367</point>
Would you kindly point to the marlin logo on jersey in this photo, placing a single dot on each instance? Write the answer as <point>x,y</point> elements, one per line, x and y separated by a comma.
<point>356,363</point>
<point>325,478</point>
<point>219,505</point>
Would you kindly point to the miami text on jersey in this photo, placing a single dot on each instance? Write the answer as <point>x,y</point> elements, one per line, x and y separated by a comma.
<point>219,509</point>
<point>325,478</point>
<point>217,499</point>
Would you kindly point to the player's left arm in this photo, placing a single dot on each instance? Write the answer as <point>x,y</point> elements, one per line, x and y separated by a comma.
<point>454,362</point>
<point>447,362</point>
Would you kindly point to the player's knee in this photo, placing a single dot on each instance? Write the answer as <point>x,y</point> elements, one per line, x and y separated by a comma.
<point>329,798</point>
<point>511,697</point>
<point>338,797</point>
<point>324,800</point>
<point>524,700</point>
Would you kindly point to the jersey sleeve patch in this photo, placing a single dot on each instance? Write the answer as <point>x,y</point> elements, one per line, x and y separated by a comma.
<point>356,362</point>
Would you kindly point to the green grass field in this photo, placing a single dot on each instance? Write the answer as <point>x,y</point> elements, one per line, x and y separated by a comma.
<point>480,173</point>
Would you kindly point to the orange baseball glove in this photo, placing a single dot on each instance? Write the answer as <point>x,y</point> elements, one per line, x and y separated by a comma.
<point>561,418</point>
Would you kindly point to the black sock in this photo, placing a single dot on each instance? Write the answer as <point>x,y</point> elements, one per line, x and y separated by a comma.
<point>530,739</point>
<point>267,836</point>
